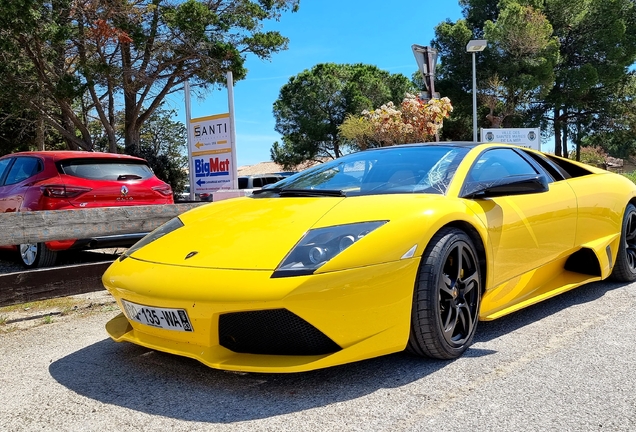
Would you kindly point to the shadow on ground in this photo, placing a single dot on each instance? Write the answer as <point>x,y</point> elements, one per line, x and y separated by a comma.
<point>161,384</point>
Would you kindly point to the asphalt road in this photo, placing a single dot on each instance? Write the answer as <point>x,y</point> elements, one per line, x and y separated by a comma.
<point>568,364</point>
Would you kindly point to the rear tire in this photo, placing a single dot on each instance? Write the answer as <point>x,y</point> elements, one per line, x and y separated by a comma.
<point>36,255</point>
<point>625,267</point>
<point>446,297</point>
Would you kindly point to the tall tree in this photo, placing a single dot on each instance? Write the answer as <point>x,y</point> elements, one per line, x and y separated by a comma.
<point>163,145</point>
<point>557,63</point>
<point>515,69</point>
<point>87,58</point>
<point>613,129</point>
<point>597,47</point>
<point>525,52</point>
<point>313,104</point>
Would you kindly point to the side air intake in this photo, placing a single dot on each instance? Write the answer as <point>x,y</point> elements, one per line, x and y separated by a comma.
<point>583,261</point>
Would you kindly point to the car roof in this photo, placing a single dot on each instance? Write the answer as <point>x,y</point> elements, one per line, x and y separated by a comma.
<point>469,144</point>
<point>262,175</point>
<point>464,144</point>
<point>73,154</point>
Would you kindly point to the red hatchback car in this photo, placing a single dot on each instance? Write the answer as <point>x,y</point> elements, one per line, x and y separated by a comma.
<point>55,180</point>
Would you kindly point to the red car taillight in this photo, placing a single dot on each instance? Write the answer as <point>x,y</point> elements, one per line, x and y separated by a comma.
<point>163,189</point>
<point>63,191</point>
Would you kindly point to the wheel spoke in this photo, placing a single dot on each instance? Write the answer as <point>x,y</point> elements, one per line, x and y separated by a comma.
<point>630,234</point>
<point>631,257</point>
<point>446,285</point>
<point>470,282</point>
<point>450,323</point>
<point>460,260</point>
<point>467,318</point>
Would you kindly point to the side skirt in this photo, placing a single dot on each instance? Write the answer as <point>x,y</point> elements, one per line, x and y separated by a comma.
<point>531,288</point>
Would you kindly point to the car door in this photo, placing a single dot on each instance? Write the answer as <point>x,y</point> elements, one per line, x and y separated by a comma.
<point>16,182</point>
<point>528,230</point>
<point>5,164</point>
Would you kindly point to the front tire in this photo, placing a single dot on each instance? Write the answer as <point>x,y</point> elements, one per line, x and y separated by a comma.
<point>36,255</point>
<point>446,297</point>
<point>625,267</point>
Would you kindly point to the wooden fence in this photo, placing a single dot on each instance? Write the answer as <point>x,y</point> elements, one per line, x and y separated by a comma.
<point>34,227</point>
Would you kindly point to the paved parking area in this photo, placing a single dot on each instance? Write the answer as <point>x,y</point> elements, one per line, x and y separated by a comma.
<point>566,364</point>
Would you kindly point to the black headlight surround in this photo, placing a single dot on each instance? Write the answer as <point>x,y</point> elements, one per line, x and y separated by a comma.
<point>318,246</point>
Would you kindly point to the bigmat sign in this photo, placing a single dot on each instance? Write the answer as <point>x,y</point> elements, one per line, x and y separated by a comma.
<point>211,151</point>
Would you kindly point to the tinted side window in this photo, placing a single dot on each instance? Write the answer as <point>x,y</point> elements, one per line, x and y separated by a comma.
<point>257,182</point>
<point>554,170</point>
<point>22,169</point>
<point>4,163</point>
<point>499,163</point>
<point>572,169</point>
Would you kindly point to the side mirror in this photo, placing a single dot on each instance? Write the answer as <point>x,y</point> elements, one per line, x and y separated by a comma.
<point>512,185</point>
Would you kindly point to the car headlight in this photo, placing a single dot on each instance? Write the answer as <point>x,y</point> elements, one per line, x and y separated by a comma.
<point>164,229</point>
<point>320,245</point>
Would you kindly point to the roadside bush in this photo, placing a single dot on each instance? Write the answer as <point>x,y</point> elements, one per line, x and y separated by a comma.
<point>593,155</point>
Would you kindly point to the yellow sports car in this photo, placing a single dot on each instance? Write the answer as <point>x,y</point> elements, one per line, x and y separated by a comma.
<point>395,248</point>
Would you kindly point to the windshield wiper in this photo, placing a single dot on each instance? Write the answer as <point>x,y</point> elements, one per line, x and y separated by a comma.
<point>128,177</point>
<point>301,192</point>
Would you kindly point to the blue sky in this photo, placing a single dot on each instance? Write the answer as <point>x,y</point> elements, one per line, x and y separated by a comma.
<point>373,32</point>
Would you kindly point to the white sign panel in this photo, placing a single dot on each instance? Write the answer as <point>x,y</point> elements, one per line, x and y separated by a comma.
<point>211,153</point>
<point>524,137</point>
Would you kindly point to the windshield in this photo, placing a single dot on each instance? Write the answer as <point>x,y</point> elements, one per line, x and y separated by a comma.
<point>390,170</point>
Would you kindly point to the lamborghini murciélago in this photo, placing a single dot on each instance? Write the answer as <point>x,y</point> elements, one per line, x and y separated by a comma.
<point>388,249</point>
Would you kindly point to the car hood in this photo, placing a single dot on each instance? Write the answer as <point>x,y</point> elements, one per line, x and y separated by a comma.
<point>242,233</point>
<point>257,233</point>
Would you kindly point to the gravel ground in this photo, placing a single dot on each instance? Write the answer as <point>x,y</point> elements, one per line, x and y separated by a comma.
<point>33,314</point>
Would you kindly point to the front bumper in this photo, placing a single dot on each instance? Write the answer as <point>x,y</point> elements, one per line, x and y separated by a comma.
<point>364,311</point>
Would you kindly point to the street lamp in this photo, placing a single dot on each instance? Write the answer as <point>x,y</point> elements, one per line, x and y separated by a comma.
<point>473,47</point>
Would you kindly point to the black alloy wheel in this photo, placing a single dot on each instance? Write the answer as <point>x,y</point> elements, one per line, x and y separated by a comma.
<point>446,297</point>
<point>625,267</point>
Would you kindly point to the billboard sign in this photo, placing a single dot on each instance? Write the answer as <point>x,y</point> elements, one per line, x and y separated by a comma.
<point>524,137</point>
<point>211,153</point>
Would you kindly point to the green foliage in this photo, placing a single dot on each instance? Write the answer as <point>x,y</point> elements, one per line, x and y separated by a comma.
<point>593,156</point>
<point>359,130</point>
<point>75,63</point>
<point>561,64</point>
<point>163,145</point>
<point>313,104</point>
<point>614,128</point>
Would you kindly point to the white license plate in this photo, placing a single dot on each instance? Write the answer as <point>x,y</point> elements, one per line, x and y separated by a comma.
<point>170,319</point>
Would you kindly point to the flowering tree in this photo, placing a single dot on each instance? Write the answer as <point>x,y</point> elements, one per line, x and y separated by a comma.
<point>414,121</point>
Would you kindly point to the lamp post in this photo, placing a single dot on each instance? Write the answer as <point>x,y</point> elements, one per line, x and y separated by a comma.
<point>475,46</point>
